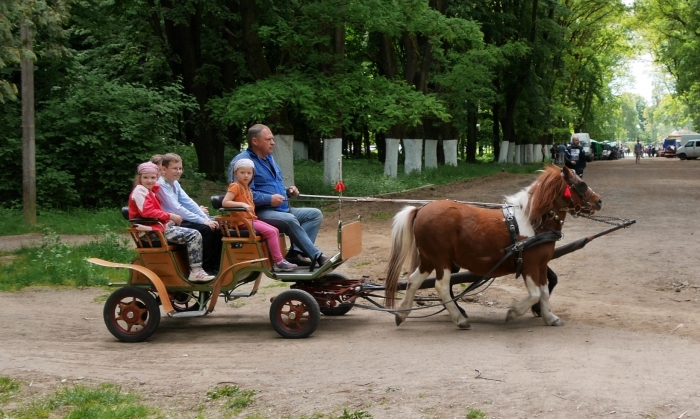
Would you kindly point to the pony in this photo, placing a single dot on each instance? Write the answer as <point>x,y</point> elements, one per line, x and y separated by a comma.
<point>444,234</point>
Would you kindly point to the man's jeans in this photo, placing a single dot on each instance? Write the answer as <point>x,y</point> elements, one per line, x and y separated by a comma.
<point>301,225</point>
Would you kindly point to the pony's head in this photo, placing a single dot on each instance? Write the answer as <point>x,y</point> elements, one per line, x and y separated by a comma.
<point>584,199</point>
<point>561,189</point>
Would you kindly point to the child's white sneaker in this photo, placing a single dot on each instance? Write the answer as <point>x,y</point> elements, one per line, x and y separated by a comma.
<point>199,275</point>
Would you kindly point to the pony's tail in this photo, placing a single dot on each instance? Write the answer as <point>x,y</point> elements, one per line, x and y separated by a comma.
<point>402,245</point>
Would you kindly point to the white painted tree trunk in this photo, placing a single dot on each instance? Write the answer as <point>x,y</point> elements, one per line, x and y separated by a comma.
<point>332,153</point>
<point>284,156</point>
<point>431,154</point>
<point>414,155</point>
<point>511,153</point>
<point>301,150</point>
<point>450,149</point>
<point>391,162</point>
<point>503,154</point>
<point>518,159</point>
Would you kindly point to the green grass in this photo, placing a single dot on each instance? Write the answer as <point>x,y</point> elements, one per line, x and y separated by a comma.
<point>56,263</point>
<point>8,387</point>
<point>234,398</point>
<point>366,177</point>
<point>77,221</point>
<point>476,414</point>
<point>106,401</point>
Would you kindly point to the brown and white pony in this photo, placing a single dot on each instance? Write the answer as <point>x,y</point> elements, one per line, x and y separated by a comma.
<point>442,234</point>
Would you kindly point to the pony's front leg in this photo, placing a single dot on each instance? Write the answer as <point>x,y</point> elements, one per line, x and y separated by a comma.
<point>414,283</point>
<point>520,307</point>
<point>442,286</point>
<point>549,318</point>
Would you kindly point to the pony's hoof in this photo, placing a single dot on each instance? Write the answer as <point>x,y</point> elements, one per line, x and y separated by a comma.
<point>398,319</point>
<point>558,322</point>
<point>510,316</point>
<point>536,311</point>
<point>464,326</point>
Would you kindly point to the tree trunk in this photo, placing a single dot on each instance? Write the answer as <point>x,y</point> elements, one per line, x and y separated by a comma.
<point>496,139</point>
<point>472,119</point>
<point>28,134</point>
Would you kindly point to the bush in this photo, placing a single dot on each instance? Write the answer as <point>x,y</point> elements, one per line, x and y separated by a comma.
<point>91,135</point>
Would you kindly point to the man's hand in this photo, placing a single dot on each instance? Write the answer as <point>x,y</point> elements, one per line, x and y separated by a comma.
<point>276,200</point>
<point>292,191</point>
<point>204,209</point>
<point>211,224</point>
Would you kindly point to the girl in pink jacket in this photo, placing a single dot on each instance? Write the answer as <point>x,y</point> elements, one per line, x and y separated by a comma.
<point>143,203</point>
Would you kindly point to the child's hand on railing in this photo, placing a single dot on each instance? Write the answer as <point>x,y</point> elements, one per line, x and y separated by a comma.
<point>141,227</point>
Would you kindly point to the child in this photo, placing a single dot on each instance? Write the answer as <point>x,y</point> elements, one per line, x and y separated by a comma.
<point>143,203</point>
<point>175,200</point>
<point>239,195</point>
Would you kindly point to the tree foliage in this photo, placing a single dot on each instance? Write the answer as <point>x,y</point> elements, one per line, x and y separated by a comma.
<point>138,76</point>
<point>672,32</point>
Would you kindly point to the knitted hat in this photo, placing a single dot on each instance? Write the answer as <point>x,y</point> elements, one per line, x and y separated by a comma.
<point>148,167</point>
<point>243,163</point>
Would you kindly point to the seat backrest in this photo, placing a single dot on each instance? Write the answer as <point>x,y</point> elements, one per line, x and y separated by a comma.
<point>125,212</point>
<point>217,200</point>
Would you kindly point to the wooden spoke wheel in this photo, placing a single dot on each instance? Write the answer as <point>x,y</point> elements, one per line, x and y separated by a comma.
<point>294,314</point>
<point>131,314</point>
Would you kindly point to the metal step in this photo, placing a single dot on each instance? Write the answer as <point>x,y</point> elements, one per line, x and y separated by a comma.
<point>190,314</point>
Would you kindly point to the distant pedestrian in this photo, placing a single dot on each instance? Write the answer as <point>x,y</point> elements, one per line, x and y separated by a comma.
<point>553,152</point>
<point>543,150</point>
<point>561,153</point>
<point>575,157</point>
<point>638,151</point>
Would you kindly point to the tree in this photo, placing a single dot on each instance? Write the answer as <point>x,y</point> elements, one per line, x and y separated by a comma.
<point>672,31</point>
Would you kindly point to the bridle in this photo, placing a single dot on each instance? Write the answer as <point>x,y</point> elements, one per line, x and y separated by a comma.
<point>583,191</point>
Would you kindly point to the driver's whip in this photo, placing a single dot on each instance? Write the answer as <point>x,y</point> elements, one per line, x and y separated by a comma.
<point>340,187</point>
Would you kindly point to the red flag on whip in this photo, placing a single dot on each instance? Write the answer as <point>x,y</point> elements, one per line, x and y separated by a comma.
<point>340,186</point>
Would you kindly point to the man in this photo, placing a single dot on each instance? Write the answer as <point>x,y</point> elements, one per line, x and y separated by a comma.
<point>575,157</point>
<point>271,203</point>
<point>638,151</point>
<point>560,154</point>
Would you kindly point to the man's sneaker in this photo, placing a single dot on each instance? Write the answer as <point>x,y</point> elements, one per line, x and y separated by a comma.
<point>199,275</point>
<point>298,259</point>
<point>284,266</point>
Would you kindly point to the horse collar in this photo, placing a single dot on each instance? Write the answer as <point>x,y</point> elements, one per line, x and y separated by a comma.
<point>512,225</point>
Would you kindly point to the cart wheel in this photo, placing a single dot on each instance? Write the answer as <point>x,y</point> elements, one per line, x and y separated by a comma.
<point>340,309</point>
<point>131,314</point>
<point>294,314</point>
<point>189,301</point>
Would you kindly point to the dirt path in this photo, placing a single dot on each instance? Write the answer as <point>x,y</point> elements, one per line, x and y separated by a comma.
<point>629,348</point>
<point>12,243</point>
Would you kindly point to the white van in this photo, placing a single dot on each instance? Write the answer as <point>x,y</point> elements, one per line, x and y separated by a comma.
<point>690,149</point>
<point>686,137</point>
<point>585,141</point>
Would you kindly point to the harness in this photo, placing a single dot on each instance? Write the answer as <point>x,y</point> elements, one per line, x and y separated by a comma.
<point>519,246</point>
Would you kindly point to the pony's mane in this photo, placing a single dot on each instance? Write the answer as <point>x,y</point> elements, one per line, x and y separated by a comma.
<point>543,191</point>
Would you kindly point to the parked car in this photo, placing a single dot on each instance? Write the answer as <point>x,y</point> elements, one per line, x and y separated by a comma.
<point>690,150</point>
